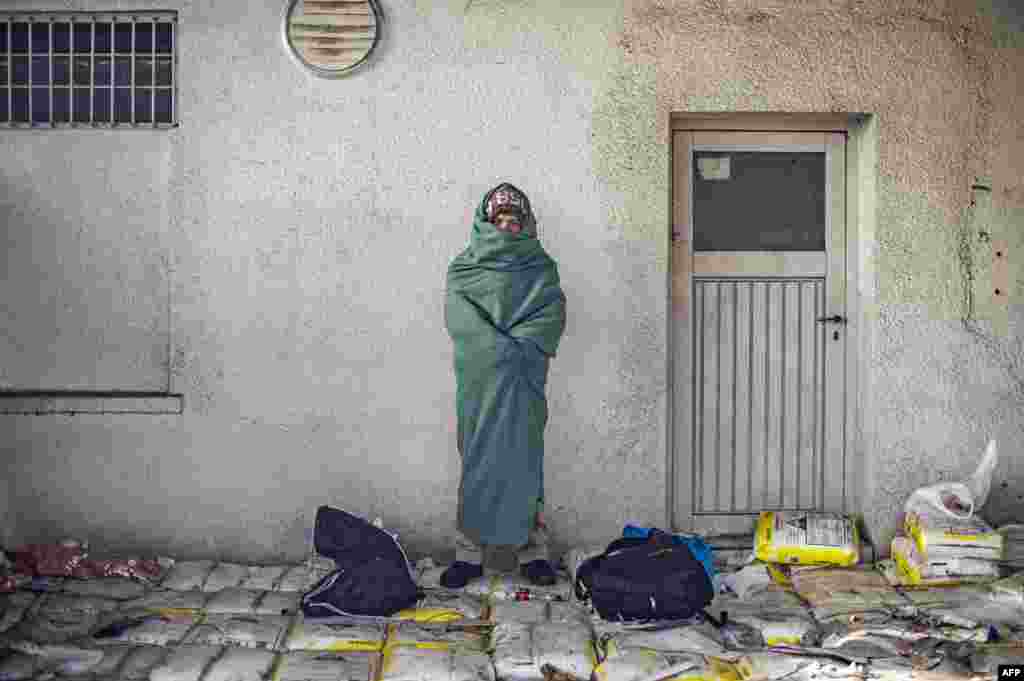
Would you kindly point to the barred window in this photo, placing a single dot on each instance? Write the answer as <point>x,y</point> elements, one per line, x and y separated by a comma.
<point>88,69</point>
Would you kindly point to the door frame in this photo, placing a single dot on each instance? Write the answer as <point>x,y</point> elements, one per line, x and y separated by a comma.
<point>861,154</point>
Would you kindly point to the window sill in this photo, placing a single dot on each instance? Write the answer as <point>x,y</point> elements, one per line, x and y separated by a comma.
<point>37,402</point>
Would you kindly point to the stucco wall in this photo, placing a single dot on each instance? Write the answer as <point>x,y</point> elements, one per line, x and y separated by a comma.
<point>303,228</point>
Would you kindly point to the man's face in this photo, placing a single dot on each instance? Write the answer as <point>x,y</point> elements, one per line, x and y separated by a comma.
<point>508,222</point>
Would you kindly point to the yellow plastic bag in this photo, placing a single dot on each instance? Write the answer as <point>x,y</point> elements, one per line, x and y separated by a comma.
<point>806,539</point>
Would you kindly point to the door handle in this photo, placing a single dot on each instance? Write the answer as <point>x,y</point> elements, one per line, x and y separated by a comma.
<point>834,319</point>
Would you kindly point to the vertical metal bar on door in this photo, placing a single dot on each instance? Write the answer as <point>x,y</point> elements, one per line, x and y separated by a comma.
<point>767,373</point>
<point>152,77</point>
<point>131,73</point>
<point>782,406</point>
<point>735,342</point>
<point>92,75</point>
<point>698,424</point>
<point>31,34</point>
<point>799,383</point>
<point>750,401</point>
<point>814,408</point>
<point>824,398</point>
<point>718,395</point>
<point>49,40</point>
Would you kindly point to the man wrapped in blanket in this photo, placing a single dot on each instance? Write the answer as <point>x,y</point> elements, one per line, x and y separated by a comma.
<point>505,313</point>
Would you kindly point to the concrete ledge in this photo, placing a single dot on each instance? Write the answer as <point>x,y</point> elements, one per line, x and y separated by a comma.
<point>38,402</point>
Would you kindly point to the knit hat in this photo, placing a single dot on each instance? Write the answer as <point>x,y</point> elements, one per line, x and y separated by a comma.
<point>505,197</point>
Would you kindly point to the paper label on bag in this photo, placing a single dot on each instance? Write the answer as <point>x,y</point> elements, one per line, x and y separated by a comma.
<point>813,530</point>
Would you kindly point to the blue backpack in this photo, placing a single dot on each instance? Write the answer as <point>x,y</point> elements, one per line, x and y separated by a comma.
<point>644,579</point>
<point>373,576</point>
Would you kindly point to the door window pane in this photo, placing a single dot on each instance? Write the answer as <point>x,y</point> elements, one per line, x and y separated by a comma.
<point>20,70</point>
<point>101,71</point>
<point>104,41</point>
<point>144,37</point>
<point>123,36</point>
<point>19,105</point>
<point>83,37</point>
<point>123,105</point>
<point>3,70</point>
<point>101,104</point>
<point>4,113</point>
<point>3,38</point>
<point>40,105</point>
<point>62,37</point>
<point>82,104</point>
<point>19,37</point>
<point>163,71</point>
<point>143,71</point>
<point>41,38</point>
<point>123,71</point>
<point>61,71</point>
<point>163,105</point>
<point>163,37</point>
<point>40,70</point>
<point>758,201</point>
<point>143,105</point>
<point>61,108</point>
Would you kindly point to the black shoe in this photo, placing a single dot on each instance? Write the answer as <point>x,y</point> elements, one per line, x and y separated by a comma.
<point>459,573</point>
<point>539,572</point>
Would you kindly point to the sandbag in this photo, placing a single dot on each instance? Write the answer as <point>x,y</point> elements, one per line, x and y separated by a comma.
<point>520,650</point>
<point>631,664</point>
<point>166,601</point>
<point>59,618</point>
<point>13,607</point>
<point>309,634</point>
<point>696,638</point>
<point>444,606</point>
<point>188,575</point>
<point>265,578</point>
<point>277,603</point>
<point>233,600</point>
<point>240,664</point>
<point>519,612</point>
<point>249,631</point>
<point>185,663</point>
<point>408,663</point>
<point>305,665</point>
<point>226,576</point>
<point>150,629</point>
<point>116,588</point>
<point>141,660</point>
<point>440,637</point>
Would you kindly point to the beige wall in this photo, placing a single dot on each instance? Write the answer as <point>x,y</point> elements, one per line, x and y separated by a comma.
<point>301,229</point>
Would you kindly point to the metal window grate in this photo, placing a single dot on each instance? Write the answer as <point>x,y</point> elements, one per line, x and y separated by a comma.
<point>88,70</point>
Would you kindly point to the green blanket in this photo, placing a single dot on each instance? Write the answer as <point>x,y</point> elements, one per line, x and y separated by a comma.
<point>505,312</point>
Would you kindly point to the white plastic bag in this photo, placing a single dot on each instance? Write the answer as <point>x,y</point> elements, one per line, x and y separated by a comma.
<point>947,501</point>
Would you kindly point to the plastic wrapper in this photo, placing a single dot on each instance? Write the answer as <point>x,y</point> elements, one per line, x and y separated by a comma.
<point>521,650</point>
<point>232,601</point>
<point>111,660</point>
<point>696,638</point>
<point>806,538</point>
<point>916,569</point>
<point>13,607</point>
<point>249,631</point>
<point>169,602</point>
<point>405,663</point>
<point>438,636</point>
<point>185,663</point>
<point>305,665</point>
<point>631,664</point>
<point>226,576</point>
<point>188,575</point>
<point>150,629</point>
<point>309,634</point>
<point>264,578</point>
<point>116,588</point>
<point>444,606</point>
<point>240,664</point>
<point>506,586</point>
<point>57,618</point>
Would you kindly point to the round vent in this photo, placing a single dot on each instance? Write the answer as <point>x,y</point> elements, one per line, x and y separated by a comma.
<point>331,38</point>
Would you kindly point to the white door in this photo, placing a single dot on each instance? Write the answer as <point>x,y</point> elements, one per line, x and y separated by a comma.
<point>759,332</point>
